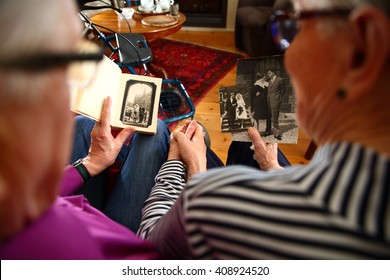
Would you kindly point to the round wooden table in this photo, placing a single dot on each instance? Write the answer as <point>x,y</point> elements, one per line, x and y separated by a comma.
<point>115,22</point>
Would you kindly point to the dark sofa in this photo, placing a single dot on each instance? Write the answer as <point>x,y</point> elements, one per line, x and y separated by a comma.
<point>252,28</point>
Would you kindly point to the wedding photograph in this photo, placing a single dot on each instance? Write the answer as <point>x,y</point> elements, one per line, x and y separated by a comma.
<point>234,104</point>
<point>270,99</point>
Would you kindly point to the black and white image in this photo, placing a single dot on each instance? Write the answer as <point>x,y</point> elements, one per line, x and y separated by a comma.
<point>270,101</point>
<point>138,103</point>
<point>234,105</point>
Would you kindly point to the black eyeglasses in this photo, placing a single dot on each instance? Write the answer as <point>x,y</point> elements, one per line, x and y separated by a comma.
<point>81,65</point>
<point>86,51</point>
<point>46,61</point>
<point>284,23</point>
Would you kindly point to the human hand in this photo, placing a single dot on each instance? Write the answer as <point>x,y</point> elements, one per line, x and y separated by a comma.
<point>188,145</point>
<point>104,147</point>
<point>266,154</point>
<point>174,153</point>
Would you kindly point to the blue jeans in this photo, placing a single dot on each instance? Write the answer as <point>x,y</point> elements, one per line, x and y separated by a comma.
<point>139,161</point>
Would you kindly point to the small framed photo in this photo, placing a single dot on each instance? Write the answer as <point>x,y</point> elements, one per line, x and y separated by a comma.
<point>235,110</point>
<point>138,103</point>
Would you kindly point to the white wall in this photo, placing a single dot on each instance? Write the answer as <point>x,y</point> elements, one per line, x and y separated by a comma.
<point>231,14</point>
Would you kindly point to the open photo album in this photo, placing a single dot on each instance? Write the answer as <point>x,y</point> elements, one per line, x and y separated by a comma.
<point>135,98</point>
<point>262,98</point>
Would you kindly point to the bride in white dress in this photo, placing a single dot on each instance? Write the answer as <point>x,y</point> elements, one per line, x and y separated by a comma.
<point>241,113</point>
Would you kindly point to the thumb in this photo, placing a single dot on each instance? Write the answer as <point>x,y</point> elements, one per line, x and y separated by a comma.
<point>254,135</point>
<point>124,134</point>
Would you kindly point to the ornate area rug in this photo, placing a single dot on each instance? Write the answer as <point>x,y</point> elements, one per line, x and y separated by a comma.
<point>197,67</point>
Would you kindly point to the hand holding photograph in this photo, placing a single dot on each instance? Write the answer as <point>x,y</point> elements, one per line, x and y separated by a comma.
<point>262,98</point>
<point>135,98</point>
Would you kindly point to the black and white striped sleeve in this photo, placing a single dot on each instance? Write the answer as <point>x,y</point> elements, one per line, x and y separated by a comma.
<point>169,183</point>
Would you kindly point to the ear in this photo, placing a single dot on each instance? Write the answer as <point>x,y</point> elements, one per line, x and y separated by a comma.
<point>371,49</point>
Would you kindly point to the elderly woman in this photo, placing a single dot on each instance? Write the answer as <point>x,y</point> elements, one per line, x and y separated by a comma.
<point>335,207</point>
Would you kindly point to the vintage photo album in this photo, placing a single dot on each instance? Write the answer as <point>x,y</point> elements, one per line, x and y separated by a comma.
<point>135,98</point>
<point>262,98</point>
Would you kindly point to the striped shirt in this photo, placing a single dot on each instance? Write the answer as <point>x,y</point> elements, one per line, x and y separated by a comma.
<point>335,207</point>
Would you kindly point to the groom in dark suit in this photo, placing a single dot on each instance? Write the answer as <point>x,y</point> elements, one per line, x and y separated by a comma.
<point>231,106</point>
<point>274,98</point>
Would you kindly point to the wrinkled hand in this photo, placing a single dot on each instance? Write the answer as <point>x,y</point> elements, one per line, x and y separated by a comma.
<point>188,145</point>
<point>104,147</point>
<point>174,152</point>
<point>266,154</point>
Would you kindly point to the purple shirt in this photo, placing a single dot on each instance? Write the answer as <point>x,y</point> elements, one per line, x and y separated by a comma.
<point>72,229</point>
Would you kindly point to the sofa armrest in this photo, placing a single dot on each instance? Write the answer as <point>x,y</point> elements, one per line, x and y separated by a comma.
<point>253,16</point>
<point>252,27</point>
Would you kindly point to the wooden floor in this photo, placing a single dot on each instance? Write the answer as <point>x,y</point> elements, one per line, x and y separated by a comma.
<point>207,111</point>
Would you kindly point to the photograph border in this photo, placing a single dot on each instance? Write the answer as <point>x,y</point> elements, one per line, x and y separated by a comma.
<point>248,72</point>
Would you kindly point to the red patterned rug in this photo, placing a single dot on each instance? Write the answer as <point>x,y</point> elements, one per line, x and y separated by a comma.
<point>197,67</point>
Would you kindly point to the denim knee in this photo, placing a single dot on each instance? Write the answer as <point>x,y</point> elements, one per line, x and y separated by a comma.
<point>162,128</point>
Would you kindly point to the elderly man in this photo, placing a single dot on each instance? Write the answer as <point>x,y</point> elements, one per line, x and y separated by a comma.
<point>274,100</point>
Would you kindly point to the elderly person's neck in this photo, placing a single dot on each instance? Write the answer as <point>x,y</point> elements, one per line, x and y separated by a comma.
<point>364,120</point>
<point>22,197</point>
<point>27,179</point>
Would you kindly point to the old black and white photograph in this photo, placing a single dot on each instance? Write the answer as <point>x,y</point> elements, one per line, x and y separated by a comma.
<point>234,105</point>
<point>270,100</point>
<point>138,102</point>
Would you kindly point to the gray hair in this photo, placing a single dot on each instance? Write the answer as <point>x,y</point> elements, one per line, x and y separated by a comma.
<point>27,29</point>
<point>31,26</point>
<point>383,5</point>
<point>337,23</point>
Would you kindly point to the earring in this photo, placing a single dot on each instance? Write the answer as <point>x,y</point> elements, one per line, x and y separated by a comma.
<point>341,94</point>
